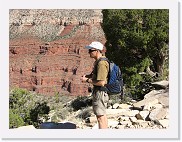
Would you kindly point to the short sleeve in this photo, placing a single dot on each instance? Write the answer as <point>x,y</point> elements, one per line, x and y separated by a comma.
<point>102,70</point>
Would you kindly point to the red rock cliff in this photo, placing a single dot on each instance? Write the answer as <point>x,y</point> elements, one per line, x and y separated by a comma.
<point>48,56</point>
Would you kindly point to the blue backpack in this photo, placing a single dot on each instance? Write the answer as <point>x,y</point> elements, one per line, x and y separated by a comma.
<point>115,80</point>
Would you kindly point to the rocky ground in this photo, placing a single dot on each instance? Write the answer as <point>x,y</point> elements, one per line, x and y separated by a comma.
<point>150,113</point>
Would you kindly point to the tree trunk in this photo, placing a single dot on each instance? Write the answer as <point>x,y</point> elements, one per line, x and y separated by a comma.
<point>159,61</point>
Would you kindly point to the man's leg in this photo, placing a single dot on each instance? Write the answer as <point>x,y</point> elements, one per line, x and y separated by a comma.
<point>102,121</point>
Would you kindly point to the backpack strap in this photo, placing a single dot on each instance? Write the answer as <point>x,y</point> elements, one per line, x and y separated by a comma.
<point>103,59</point>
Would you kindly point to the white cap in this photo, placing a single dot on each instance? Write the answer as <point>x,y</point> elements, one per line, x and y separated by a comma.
<point>95,45</point>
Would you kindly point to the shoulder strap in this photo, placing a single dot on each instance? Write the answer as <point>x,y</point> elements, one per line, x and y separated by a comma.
<point>103,59</point>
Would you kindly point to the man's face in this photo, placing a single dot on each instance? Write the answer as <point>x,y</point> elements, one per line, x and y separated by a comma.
<point>92,52</point>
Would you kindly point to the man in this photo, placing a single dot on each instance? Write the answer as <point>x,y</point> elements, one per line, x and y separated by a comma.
<point>98,78</point>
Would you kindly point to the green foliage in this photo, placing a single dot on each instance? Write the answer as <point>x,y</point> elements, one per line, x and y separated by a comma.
<point>18,97</point>
<point>59,103</point>
<point>137,39</point>
<point>117,98</point>
<point>27,108</point>
<point>40,110</point>
<point>81,102</point>
<point>15,119</point>
<point>64,113</point>
<point>57,97</point>
<point>24,110</point>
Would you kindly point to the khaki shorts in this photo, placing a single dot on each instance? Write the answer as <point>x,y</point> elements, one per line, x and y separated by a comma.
<point>99,102</point>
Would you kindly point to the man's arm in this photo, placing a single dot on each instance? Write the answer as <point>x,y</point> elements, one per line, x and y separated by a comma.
<point>94,82</point>
<point>102,72</point>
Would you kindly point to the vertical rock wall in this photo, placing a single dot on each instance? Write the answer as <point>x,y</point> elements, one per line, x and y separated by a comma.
<point>52,62</point>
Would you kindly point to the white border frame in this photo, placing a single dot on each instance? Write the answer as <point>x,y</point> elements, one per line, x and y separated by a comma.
<point>171,133</point>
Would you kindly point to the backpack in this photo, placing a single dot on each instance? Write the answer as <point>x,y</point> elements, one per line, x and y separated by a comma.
<point>115,80</point>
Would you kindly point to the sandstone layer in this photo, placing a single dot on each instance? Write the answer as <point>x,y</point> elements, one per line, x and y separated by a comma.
<point>47,49</point>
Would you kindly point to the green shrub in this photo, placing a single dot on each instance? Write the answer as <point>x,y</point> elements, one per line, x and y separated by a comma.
<point>26,108</point>
<point>80,102</point>
<point>115,98</point>
<point>15,120</point>
<point>17,97</point>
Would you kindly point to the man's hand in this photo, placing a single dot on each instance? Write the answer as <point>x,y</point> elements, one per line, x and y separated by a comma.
<point>97,82</point>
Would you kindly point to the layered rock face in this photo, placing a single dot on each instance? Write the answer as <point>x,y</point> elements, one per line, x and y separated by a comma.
<point>47,49</point>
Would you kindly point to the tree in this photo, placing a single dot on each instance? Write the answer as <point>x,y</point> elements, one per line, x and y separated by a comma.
<point>137,40</point>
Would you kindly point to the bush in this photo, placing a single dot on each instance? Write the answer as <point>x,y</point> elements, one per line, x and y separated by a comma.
<point>17,97</point>
<point>40,110</point>
<point>25,108</point>
<point>15,120</point>
<point>81,102</point>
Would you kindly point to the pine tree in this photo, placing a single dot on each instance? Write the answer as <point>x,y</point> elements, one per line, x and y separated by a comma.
<point>137,40</point>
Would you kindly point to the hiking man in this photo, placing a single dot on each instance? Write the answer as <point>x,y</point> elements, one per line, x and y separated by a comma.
<point>98,78</point>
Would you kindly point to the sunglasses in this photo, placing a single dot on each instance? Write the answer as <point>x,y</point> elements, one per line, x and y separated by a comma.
<point>90,50</point>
